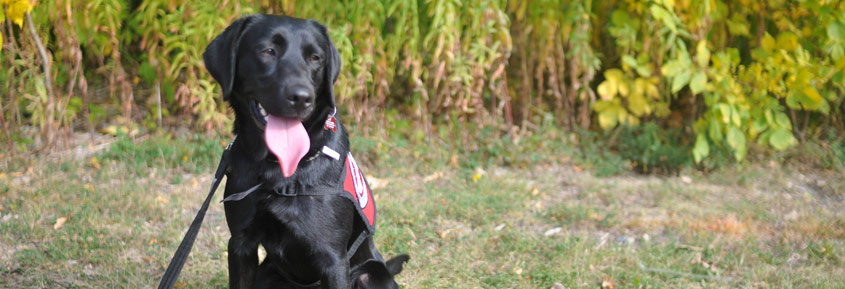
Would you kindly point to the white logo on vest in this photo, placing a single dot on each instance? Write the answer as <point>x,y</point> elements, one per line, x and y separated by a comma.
<point>358,181</point>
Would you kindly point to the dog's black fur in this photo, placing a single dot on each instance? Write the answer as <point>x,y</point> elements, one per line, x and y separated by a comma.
<point>288,66</point>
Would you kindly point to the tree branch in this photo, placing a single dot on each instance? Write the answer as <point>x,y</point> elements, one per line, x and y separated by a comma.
<point>44,58</point>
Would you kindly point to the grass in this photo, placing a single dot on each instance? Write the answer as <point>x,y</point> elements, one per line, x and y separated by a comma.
<point>530,225</point>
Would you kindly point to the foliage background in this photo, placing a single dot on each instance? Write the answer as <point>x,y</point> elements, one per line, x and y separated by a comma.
<point>667,81</point>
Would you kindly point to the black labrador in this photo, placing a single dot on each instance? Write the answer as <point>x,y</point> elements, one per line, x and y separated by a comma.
<point>277,74</point>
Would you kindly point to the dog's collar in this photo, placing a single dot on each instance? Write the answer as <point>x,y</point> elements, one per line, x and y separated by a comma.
<point>329,152</point>
<point>330,125</point>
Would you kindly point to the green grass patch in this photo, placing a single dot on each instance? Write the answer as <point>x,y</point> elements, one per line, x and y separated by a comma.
<point>194,154</point>
<point>466,223</point>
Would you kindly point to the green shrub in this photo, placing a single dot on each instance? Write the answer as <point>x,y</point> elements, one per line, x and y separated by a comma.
<point>595,152</point>
<point>651,149</point>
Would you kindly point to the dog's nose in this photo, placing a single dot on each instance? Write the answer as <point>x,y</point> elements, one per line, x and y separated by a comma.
<point>300,97</point>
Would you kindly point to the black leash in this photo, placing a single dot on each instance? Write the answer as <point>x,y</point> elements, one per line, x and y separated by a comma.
<point>175,267</point>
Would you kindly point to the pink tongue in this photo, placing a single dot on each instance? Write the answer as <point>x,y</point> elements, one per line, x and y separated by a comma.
<point>287,139</point>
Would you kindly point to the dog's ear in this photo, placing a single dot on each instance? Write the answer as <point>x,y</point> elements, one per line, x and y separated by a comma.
<point>363,281</point>
<point>221,55</point>
<point>372,275</point>
<point>332,69</point>
<point>375,274</point>
<point>395,264</point>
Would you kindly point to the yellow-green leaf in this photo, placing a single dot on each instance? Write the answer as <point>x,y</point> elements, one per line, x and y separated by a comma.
<point>738,25</point>
<point>664,16</point>
<point>736,116</point>
<point>644,70</point>
<point>17,10</point>
<point>813,97</point>
<point>725,110</point>
<point>702,54</point>
<point>757,126</point>
<point>698,82</point>
<point>824,108</point>
<point>617,77</point>
<point>701,149</point>
<point>607,89</point>
<point>736,140</point>
<point>781,139</point>
<point>783,121</point>
<point>602,105</point>
<point>638,105</point>
<point>671,67</point>
<point>610,113</point>
<point>627,118</point>
<point>639,86</point>
<point>715,130</point>
<point>680,81</point>
<point>622,88</point>
<point>836,31</point>
<point>629,61</point>
<point>787,41</point>
<point>614,74</point>
<point>767,43</point>
<point>651,88</point>
<point>607,119</point>
<point>646,87</point>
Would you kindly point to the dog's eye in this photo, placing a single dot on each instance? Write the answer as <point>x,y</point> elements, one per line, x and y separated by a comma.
<point>269,51</point>
<point>314,58</point>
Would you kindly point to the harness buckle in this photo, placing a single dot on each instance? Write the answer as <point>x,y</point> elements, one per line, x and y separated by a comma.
<point>285,191</point>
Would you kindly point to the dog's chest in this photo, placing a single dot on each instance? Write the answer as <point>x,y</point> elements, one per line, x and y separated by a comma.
<point>313,203</point>
<point>300,210</point>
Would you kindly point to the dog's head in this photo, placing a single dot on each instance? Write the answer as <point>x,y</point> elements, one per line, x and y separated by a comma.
<point>276,71</point>
<point>375,274</point>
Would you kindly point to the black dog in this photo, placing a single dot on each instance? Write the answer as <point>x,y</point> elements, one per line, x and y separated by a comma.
<point>277,73</point>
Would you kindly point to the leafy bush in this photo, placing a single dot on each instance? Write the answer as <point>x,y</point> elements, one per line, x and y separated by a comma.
<point>743,87</point>
<point>732,72</point>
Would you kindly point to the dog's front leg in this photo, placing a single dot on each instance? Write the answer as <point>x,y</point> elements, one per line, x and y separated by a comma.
<point>243,263</point>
